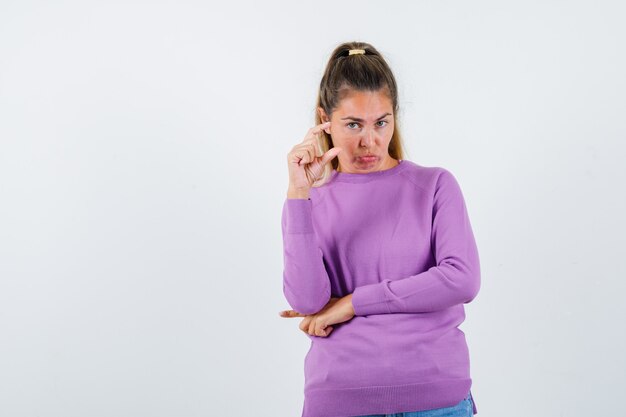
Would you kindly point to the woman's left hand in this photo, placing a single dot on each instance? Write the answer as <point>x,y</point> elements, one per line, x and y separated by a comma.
<point>337,310</point>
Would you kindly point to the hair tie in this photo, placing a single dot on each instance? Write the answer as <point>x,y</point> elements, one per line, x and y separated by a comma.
<point>356,51</point>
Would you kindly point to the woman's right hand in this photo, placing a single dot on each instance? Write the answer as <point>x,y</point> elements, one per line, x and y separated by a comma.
<point>306,162</point>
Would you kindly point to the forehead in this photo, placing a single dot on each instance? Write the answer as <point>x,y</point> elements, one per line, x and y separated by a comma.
<point>364,104</point>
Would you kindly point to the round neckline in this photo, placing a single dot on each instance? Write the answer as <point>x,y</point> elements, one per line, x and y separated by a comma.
<point>368,176</point>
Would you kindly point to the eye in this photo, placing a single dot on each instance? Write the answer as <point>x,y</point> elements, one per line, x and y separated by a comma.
<point>351,123</point>
<point>382,121</point>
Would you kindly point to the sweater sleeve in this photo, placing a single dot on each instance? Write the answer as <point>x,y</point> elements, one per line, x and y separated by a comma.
<point>455,278</point>
<point>306,284</point>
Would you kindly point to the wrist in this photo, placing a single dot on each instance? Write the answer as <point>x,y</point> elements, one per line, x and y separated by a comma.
<point>293,192</point>
<point>349,297</point>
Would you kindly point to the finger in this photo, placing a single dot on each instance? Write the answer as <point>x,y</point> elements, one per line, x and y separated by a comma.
<point>305,153</point>
<point>320,150</point>
<point>330,154</point>
<point>316,149</point>
<point>318,128</point>
<point>296,155</point>
<point>290,313</point>
<point>320,329</point>
<point>326,331</point>
<point>311,329</point>
<point>304,325</point>
<point>313,149</point>
<point>313,135</point>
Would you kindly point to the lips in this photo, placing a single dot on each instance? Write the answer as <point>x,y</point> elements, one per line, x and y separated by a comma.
<point>367,158</point>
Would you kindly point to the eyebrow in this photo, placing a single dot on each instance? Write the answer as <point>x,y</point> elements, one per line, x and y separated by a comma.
<point>360,120</point>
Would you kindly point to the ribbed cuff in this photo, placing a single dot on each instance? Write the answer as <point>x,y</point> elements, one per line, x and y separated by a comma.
<point>370,299</point>
<point>299,215</point>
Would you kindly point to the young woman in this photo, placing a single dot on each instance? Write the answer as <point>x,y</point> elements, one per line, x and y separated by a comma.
<point>379,256</point>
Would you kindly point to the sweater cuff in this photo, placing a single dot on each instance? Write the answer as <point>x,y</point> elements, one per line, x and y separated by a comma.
<point>369,299</point>
<point>299,213</point>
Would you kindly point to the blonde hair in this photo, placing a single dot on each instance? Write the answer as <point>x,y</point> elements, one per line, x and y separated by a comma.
<point>344,72</point>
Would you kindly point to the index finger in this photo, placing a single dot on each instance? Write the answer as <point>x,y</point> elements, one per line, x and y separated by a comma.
<point>318,128</point>
<point>291,313</point>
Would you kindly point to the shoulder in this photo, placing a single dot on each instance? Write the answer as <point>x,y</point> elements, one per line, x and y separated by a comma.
<point>428,178</point>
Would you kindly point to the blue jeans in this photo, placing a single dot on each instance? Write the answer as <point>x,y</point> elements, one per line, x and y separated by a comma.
<point>462,409</point>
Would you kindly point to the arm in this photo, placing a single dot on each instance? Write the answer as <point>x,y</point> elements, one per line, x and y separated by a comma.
<point>306,284</point>
<point>454,280</point>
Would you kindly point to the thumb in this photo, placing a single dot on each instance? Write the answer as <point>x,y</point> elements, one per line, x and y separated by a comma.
<point>330,154</point>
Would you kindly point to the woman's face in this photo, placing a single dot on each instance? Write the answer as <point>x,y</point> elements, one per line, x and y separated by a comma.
<point>362,126</point>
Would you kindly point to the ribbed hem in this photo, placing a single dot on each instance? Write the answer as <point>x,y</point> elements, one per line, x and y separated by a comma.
<point>349,402</point>
<point>369,299</point>
<point>299,215</point>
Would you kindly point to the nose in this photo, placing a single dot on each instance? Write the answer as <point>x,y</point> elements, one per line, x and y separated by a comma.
<point>368,138</point>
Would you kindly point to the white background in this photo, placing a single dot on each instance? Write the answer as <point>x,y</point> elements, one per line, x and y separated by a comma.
<point>143,172</point>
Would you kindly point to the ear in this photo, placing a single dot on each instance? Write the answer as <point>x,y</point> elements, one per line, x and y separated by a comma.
<point>324,118</point>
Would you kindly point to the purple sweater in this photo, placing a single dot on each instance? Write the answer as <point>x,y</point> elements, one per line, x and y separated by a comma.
<point>401,242</point>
